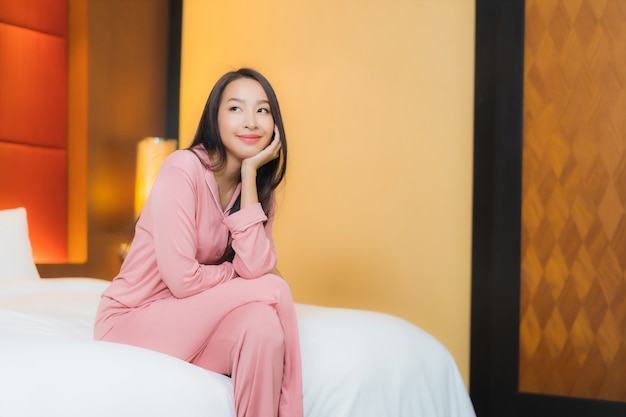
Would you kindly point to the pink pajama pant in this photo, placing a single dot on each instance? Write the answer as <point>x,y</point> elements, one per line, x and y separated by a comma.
<point>246,329</point>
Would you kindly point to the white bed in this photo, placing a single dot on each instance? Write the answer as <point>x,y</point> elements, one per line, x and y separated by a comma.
<point>355,363</point>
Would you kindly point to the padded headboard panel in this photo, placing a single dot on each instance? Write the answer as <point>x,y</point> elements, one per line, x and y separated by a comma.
<point>34,120</point>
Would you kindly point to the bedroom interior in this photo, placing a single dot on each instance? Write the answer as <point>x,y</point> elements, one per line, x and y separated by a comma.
<point>123,72</point>
<point>126,102</point>
<point>425,268</point>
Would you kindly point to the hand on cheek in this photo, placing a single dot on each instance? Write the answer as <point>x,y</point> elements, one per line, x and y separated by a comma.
<point>269,153</point>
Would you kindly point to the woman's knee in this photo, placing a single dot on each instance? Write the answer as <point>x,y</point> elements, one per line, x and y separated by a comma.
<point>277,284</point>
<point>262,325</point>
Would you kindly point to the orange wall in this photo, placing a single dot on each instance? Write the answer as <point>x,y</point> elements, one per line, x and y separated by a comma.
<point>378,105</point>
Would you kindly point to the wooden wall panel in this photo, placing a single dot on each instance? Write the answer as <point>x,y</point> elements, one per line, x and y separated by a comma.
<point>573,268</point>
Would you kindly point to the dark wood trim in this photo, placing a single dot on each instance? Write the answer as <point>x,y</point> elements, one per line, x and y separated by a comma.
<point>172,99</point>
<point>497,190</point>
<point>498,138</point>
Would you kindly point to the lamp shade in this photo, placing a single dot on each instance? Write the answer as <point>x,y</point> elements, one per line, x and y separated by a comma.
<point>151,152</point>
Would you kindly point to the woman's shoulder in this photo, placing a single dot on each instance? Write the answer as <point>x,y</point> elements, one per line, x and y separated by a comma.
<point>186,159</point>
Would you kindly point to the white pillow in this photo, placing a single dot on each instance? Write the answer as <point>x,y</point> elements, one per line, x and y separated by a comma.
<point>16,254</point>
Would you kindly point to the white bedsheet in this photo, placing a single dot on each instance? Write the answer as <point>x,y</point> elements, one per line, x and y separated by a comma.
<point>355,364</point>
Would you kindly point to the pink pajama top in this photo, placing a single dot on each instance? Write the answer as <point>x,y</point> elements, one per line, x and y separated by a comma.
<point>182,233</point>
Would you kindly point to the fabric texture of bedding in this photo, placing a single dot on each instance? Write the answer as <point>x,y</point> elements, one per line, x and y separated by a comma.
<point>355,364</point>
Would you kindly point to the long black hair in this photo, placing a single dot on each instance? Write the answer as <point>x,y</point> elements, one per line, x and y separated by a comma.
<point>270,175</point>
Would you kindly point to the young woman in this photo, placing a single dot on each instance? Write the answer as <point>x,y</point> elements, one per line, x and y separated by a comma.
<point>200,280</point>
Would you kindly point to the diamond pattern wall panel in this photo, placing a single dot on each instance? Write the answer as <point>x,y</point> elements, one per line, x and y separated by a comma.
<point>573,260</point>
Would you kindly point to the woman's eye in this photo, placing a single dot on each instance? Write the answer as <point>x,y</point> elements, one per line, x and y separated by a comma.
<point>234,108</point>
<point>263,110</point>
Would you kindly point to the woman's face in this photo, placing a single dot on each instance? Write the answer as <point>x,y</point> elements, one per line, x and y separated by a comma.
<point>244,119</point>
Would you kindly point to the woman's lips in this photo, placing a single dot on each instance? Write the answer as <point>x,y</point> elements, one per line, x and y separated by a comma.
<point>250,138</point>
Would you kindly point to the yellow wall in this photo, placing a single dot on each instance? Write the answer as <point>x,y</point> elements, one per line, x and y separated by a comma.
<point>377,98</point>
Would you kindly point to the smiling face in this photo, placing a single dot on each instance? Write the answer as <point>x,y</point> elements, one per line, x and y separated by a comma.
<point>244,119</point>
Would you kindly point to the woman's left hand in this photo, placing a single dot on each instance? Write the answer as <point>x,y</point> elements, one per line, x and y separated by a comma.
<point>269,153</point>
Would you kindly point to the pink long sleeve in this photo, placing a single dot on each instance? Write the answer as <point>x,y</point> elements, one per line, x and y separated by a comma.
<point>182,234</point>
<point>254,249</point>
<point>176,236</point>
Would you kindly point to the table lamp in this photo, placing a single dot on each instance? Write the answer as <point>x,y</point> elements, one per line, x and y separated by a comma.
<point>151,152</point>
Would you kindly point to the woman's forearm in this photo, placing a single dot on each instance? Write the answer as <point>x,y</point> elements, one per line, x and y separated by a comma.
<point>249,192</point>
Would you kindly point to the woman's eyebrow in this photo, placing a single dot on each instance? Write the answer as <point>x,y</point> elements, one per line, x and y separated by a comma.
<point>240,100</point>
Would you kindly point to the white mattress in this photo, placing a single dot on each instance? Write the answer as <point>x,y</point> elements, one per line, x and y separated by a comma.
<point>355,364</point>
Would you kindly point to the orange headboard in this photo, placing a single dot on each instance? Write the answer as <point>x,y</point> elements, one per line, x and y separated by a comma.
<point>34,120</point>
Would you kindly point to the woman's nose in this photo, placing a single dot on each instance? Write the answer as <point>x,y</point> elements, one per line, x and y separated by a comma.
<point>250,120</point>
